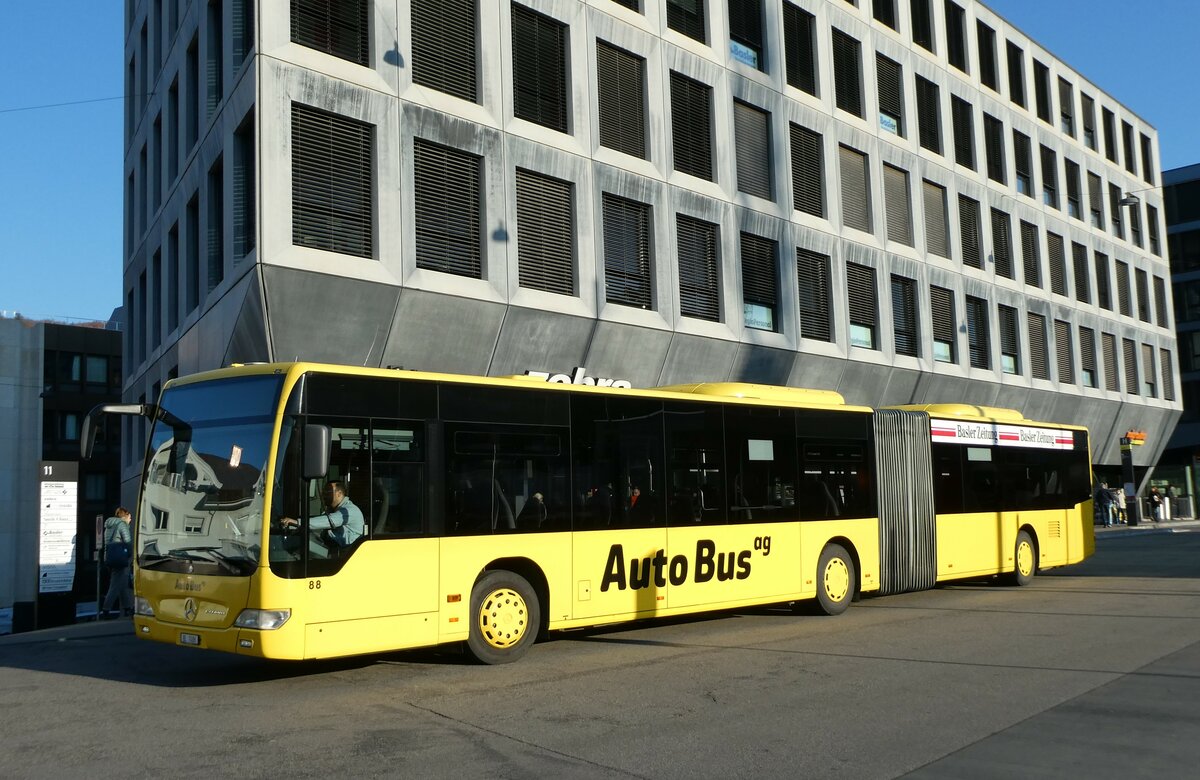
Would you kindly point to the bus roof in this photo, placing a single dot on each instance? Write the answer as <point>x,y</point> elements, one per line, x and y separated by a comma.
<point>753,394</point>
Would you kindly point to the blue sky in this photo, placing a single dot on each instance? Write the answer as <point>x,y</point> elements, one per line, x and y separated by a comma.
<point>60,168</point>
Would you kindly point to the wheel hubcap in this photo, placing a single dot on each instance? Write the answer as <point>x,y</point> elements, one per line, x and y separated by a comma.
<point>1025,559</point>
<point>837,579</point>
<point>503,618</point>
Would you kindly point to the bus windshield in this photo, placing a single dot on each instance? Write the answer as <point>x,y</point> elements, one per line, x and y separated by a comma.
<point>202,500</point>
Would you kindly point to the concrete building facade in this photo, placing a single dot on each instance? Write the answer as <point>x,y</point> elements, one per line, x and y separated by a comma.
<point>904,201</point>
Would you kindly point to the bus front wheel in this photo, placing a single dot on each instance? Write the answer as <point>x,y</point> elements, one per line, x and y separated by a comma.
<point>505,616</point>
<point>1024,559</point>
<point>836,580</point>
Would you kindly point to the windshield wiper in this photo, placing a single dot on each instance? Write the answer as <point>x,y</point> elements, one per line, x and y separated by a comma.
<point>236,566</point>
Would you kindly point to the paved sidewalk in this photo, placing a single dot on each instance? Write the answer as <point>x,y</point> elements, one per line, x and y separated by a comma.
<point>1149,526</point>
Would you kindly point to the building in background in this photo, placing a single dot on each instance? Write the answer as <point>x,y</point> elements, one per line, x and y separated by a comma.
<point>51,376</point>
<point>1178,466</point>
<point>905,201</point>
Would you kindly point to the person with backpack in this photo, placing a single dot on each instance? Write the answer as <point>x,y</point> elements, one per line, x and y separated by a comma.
<point>118,558</point>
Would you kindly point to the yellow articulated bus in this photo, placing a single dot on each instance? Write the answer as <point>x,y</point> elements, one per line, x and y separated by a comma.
<point>301,511</point>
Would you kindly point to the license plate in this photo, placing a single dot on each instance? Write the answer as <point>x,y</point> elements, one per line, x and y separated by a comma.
<point>189,639</point>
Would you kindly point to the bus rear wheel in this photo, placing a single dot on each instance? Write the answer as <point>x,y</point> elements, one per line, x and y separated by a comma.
<point>836,579</point>
<point>505,617</point>
<point>1024,559</point>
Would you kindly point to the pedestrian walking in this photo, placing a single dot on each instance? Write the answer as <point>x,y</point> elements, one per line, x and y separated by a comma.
<point>118,558</point>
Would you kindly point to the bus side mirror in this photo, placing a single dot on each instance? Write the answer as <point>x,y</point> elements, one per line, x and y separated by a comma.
<point>87,435</point>
<point>316,451</point>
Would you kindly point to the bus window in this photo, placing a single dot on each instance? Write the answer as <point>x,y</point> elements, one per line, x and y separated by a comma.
<point>695,452</point>
<point>981,490</point>
<point>398,489</point>
<point>762,464</point>
<point>617,460</point>
<point>506,479</point>
<point>837,480</point>
<point>947,479</point>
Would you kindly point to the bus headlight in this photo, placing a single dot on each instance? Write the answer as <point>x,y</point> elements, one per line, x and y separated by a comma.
<point>263,619</point>
<point>141,606</point>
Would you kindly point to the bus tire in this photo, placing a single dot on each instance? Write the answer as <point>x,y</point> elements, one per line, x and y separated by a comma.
<point>836,580</point>
<point>1024,559</point>
<point>505,617</point>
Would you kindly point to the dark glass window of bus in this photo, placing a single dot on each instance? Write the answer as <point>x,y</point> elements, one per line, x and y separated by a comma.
<point>837,466</point>
<point>506,479</point>
<point>761,453</point>
<point>617,453</point>
<point>1009,479</point>
<point>695,460</point>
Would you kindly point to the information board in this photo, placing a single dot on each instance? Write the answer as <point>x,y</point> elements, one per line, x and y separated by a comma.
<point>58,510</point>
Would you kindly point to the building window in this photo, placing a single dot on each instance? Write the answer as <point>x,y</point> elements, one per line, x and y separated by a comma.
<point>1149,372</point>
<point>1083,287</point>
<point>1016,73</point>
<point>691,126</point>
<point>1127,147</point>
<point>1010,352</point>
<point>808,194</point>
<point>192,96</point>
<point>545,233</point>
<point>340,28</point>
<point>1160,302</point>
<point>1103,289</point>
<point>156,299</point>
<point>968,225</point>
<point>884,12</point>
<point>891,94</point>
<point>937,233</point>
<point>941,306</point>
<point>1058,263</point>
<point>812,272</point>
<point>760,282</point>
<point>156,177</point>
<point>1114,211</point>
<point>987,56</point>
<point>213,66</point>
<point>929,121</point>
<point>752,147</point>
<point>1023,160</point>
<point>1002,243</point>
<point>699,269</point>
<point>746,32</point>
<point>897,205</point>
<point>1066,107</point>
<point>447,199</point>
<point>687,17</point>
<point>243,30</point>
<point>1063,352</point>
<point>1110,134</point>
<point>1124,304</point>
<point>856,206</point>
<point>993,136</point>
<point>193,250</point>
<point>1049,177</point>
<point>1143,295</point>
<point>1088,110</point>
<point>1087,356</point>
<point>1168,374</point>
<point>863,305</point>
<point>1095,201</point>
<point>1135,225</point>
<point>444,46</point>
<point>904,316</point>
<point>331,182</point>
<point>1108,344</point>
<point>1038,364</point>
<point>956,36</point>
<point>1147,160</point>
<point>1041,89</point>
<point>539,46</point>
<point>216,224</point>
<point>1152,223</point>
<point>621,99</point>
<point>964,132</point>
<point>627,252</point>
<point>173,263</point>
<point>847,73</point>
<point>1129,350</point>
<point>1073,192</point>
<point>922,24</point>
<point>800,48</point>
<point>1030,254</point>
<point>244,224</point>
<point>978,335</point>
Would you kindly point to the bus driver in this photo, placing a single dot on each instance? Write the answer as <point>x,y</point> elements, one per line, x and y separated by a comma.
<point>341,525</point>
